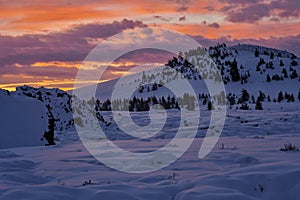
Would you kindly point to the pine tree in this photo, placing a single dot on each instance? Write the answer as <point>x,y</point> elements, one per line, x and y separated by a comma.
<point>244,106</point>
<point>292,98</point>
<point>294,63</point>
<point>268,78</point>
<point>234,71</point>
<point>253,99</point>
<point>272,55</point>
<point>294,74</point>
<point>256,53</point>
<point>261,96</point>
<point>280,97</point>
<point>154,86</point>
<point>141,89</point>
<point>284,72</point>
<point>204,101</point>
<point>231,100</point>
<point>245,96</point>
<point>97,106</point>
<point>258,105</point>
<point>210,106</point>
<point>281,63</point>
<point>257,68</point>
<point>49,135</point>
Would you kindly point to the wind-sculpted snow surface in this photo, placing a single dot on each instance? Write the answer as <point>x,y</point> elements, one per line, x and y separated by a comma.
<point>248,166</point>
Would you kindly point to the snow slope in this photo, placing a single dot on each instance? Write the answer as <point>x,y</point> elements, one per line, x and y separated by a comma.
<point>23,121</point>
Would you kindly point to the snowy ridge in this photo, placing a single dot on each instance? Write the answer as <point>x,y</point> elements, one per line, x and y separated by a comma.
<point>4,92</point>
<point>57,102</point>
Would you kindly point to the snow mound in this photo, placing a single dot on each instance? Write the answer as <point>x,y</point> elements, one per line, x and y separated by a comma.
<point>23,122</point>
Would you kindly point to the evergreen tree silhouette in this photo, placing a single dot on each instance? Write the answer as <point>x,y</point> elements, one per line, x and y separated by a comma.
<point>234,71</point>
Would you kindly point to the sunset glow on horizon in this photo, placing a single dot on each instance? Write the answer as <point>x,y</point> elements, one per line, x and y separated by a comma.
<point>44,43</point>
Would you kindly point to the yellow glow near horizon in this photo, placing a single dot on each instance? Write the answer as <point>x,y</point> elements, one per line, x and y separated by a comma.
<point>63,85</point>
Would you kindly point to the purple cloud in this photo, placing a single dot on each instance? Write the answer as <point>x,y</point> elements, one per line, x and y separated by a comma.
<point>162,18</point>
<point>253,10</point>
<point>211,25</point>
<point>214,25</point>
<point>239,1</point>
<point>249,14</point>
<point>287,8</point>
<point>70,45</point>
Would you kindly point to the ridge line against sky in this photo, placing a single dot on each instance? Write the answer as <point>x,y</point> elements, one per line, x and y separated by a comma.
<point>43,43</point>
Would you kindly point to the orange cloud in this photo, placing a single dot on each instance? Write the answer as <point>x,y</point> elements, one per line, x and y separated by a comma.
<point>58,64</point>
<point>40,16</point>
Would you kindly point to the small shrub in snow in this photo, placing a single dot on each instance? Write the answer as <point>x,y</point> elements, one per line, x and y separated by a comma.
<point>259,188</point>
<point>289,147</point>
<point>89,182</point>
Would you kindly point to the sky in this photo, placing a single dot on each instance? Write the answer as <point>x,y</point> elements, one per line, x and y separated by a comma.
<point>43,43</point>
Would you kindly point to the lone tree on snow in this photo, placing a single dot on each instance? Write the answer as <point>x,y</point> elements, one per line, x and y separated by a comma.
<point>49,134</point>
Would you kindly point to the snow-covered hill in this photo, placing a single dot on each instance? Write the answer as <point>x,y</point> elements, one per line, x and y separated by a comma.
<point>254,65</point>
<point>259,72</point>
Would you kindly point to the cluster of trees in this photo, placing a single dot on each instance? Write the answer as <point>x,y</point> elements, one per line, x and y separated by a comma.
<point>270,65</point>
<point>150,87</point>
<point>189,101</point>
<point>217,52</point>
<point>140,104</point>
<point>186,68</point>
<point>286,96</point>
<point>266,53</point>
<point>276,77</point>
<point>245,99</point>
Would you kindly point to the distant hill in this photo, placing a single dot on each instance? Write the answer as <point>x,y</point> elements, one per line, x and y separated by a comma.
<point>260,72</point>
